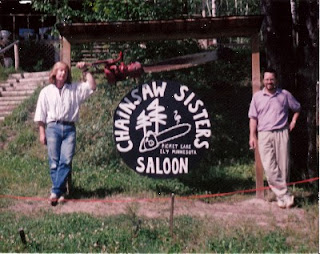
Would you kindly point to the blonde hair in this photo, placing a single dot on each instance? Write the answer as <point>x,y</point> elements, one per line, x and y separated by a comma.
<point>53,72</point>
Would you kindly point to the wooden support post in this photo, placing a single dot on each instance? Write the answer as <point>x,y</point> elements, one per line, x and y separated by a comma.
<point>255,88</point>
<point>22,236</point>
<point>255,63</point>
<point>65,51</point>
<point>15,47</point>
<point>171,214</point>
<point>259,175</point>
<point>16,57</point>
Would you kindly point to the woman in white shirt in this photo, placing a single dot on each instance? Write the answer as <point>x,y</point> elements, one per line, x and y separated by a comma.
<point>56,113</point>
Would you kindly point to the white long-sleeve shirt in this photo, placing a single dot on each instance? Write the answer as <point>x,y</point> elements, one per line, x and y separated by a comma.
<point>55,105</point>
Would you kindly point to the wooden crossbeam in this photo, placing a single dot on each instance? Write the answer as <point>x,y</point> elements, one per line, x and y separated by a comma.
<point>175,29</point>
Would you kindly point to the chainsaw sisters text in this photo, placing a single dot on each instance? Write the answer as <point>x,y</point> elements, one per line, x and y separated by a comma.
<point>161,128</point>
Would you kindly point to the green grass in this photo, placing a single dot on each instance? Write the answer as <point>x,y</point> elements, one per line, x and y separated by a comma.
<point>4,72</point>
<point>129,233</point>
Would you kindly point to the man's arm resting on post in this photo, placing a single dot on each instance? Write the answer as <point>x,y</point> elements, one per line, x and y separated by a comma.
<point>294,120</point>
<point>253,133</point>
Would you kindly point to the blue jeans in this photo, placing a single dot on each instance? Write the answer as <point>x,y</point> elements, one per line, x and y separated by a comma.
<point>61,142</point>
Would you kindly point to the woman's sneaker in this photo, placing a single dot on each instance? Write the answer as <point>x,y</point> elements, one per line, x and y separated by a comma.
<point>61,199</point>
<point>53,199</point>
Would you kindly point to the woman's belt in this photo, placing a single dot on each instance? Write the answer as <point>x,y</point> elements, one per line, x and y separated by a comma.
<point>63,122</point>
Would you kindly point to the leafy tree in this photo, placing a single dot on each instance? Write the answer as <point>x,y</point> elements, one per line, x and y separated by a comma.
<point>237,7</point>
<point>308,81</point>
<point>62,10</point>
<point>115,10</point>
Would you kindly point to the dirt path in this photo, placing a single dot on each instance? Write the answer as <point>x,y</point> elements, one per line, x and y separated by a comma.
<point>261,212</point>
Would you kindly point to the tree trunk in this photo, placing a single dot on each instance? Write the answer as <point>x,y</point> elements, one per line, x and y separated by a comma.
<point>297,64</point>
<point>293,5</point>
<point>308,66</point>
<point>277,36</point>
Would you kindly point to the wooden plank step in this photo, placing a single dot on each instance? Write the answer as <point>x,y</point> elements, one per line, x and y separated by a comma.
<point>5,113</point>
<point>24,83</point>
<point>29,75</point>
<point>13,98</point>
<point>21,88</point>
<point>16,93</point>
<point>7,103</point>
<point>7,107</point>
<point>27,80</point>
<point>7,84</point>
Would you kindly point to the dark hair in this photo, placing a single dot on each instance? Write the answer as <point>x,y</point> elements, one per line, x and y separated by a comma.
<point>271,70</point>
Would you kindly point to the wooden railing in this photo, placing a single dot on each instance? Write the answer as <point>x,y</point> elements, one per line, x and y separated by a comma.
<point>16,53</point>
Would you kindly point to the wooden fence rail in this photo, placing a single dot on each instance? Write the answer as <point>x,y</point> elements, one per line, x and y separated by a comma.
<point>16,53</point>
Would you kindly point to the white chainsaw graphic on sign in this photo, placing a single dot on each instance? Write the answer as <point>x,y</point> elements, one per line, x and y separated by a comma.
<point>154,116</point>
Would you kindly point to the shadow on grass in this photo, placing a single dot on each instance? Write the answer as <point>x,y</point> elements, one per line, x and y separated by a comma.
<point>301,201</point>
<point>307,195</point>
<point>80,193</point>
<point>219,185</point>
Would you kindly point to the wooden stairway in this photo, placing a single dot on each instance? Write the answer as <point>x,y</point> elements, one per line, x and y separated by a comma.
<point>17,88</point>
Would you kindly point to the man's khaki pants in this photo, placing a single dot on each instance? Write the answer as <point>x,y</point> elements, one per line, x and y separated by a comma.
<point>274,152</point>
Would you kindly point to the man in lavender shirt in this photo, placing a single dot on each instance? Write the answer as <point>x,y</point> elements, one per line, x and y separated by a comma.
<point>269,130</point>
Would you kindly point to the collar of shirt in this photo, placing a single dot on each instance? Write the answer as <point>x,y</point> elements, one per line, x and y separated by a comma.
<point>268,94</point>
<point>62,88</point>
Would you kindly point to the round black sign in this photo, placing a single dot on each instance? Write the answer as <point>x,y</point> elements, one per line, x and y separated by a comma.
<point>161,129</point>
